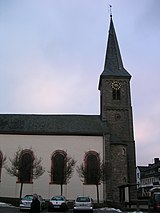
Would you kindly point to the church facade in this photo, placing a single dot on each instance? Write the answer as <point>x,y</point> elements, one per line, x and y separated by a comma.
<point>108,137</point>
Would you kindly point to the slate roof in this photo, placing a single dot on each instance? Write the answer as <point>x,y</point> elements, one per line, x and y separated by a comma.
<point>52,124</point>
<point>113,66</point>
<point>152,170</point>
<point>142,168</point>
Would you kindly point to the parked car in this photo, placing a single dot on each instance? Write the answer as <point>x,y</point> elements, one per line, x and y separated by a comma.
<point>154,202</point>
<point>26,201</point>
<point>57,203</point>
<point>83,203</point>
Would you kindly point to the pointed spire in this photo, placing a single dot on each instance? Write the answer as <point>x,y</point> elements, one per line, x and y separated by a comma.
<point>113,62</point>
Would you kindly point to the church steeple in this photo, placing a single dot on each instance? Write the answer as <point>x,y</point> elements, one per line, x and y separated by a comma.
<point>116,111</point>
<point>114,84</point>
<point>113,65</point>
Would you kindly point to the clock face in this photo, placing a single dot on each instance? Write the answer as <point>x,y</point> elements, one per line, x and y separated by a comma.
<point>116,85</point>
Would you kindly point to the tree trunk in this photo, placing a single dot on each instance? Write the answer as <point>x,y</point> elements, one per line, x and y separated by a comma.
<point>61,189</point>
<point>97,193</point>
<point>20,194</point>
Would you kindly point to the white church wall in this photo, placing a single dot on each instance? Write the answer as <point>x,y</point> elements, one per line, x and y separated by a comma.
<point>44,146</point>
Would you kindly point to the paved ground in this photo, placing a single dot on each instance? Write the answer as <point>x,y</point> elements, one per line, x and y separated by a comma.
<point>16,210</point>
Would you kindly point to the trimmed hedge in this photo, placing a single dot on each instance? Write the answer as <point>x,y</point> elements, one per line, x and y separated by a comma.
<point>9,200</point>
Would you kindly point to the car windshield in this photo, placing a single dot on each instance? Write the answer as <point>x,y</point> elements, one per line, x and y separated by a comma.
<point>57,198</point>
<point>157,197</point>
<point>83,199</point>
<point>28,197</point>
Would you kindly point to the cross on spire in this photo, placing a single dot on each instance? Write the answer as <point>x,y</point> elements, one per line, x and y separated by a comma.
<point>110,10</point>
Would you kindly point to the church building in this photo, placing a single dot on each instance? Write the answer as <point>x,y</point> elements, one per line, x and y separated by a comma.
<point>88,139</point>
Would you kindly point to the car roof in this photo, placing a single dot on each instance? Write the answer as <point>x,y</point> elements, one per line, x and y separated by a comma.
<point>31,196</point>
<point>82,196</point>
<point>58,196</point>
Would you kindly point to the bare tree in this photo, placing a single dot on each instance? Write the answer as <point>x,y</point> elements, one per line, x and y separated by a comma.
<point>99,175</point>
<point>4,160</point>
<point>68,171</point>
<point>25,166</point>
<point>64,172</point>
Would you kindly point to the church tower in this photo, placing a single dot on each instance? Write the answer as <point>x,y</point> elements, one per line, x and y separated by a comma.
<point>116,110</point>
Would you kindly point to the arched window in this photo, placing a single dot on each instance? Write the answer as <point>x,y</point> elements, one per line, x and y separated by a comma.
<point>124,179</point>
<point>26,166</point>
<point>58,166</point>
<point>1,160</point>
<point>92,167</point>
<point>124,151</point>
<point>116,94</point>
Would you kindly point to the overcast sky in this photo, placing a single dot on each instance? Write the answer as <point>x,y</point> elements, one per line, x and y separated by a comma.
<point>52,54</point>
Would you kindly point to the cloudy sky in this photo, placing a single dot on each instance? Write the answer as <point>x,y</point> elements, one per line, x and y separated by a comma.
<point>52,54</point>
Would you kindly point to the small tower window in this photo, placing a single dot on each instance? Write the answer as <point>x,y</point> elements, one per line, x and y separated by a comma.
<point>124,151</point>
<point>116,94</point>
<point>124,179</point>
<point>116,90</point>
